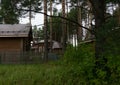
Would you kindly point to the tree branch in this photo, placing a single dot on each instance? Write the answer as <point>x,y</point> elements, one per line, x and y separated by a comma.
<point>90,30</point>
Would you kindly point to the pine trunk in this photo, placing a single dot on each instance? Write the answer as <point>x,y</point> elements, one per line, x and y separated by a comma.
<point>99,9</point>
<point>30,14</point>
<point>50,26</point>
<point>99,12</point>
<point>63,26</point>
<point>79,30</point>
<point>89,19</point>
<point>45,32</point>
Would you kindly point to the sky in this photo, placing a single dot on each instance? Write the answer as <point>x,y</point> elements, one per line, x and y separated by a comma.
<point>37,20</point>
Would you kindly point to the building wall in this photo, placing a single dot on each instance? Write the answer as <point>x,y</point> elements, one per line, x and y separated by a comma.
<point>11,44</point>
<point>26,44</point>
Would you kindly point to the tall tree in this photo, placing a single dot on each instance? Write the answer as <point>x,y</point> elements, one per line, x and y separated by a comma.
<point>9,12</point>
<point>45,32</point>
<point>89,20</point>
<point>99,11</point>
<point>79,30</point>
<point>30,15</point>
<point>56,28</point>
<point>51,39</point>
<point>63,26</point>
<point>67,28</point>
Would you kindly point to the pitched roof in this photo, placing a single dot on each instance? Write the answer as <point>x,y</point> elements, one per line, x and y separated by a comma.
<point>15,30</point>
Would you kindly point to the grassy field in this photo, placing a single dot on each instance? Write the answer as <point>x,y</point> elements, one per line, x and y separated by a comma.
<point>39,74</point>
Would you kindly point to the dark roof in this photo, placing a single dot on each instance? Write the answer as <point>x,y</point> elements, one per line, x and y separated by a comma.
<point>15,30</point>
<point>87,41</point>
<point>54,45</point>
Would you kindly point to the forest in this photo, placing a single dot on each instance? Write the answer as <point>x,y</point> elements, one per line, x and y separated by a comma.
<point>89,33</point>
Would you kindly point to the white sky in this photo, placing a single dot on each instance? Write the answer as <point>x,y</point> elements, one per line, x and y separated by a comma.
<point>37,20</point>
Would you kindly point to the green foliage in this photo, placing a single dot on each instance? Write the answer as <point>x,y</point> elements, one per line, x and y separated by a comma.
<point>38,32</point>
<point>11,10</point>
<point>72,15</point>
<point>107,72</point>
<point>82,60</point>
<point>35,4</point>
<point>56,28</point>
<point>8,12</point>
<point>80,54</point>
<point>112,49</point>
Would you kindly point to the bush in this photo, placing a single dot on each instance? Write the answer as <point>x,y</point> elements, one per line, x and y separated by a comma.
<point>81,61</point>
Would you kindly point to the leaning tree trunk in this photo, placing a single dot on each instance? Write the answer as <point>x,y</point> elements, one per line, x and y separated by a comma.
<point>45,32</point>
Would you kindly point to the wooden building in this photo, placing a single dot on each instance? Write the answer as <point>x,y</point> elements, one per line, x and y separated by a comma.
<point>14,38</point>
<point>38,46</point>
